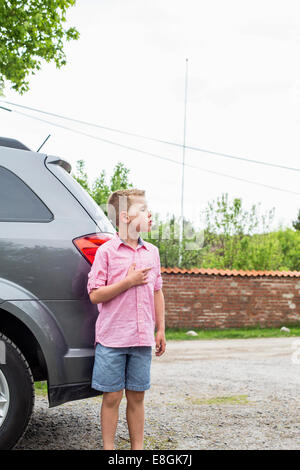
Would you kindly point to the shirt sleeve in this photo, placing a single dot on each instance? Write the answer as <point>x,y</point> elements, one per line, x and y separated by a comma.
<point>97,276</point>
<point>159,281</point>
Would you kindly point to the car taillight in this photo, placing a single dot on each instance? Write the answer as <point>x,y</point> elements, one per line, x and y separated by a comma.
<point>89,244</point>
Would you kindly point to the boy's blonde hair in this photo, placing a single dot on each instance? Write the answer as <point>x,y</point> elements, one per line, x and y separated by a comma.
<point>119,200</point>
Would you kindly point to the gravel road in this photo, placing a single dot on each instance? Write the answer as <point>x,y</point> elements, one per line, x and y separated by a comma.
<point>212,394</point>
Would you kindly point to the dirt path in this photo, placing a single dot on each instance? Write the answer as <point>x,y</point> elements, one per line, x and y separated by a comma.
<point>214,394</point>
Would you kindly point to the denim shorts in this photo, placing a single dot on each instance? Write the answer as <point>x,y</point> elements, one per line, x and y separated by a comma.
<point>119,368</point>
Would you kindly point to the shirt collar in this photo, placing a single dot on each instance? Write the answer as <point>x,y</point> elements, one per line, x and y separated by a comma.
<point>118,241</point>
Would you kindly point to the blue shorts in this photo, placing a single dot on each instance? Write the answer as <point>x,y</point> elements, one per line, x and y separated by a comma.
<point>119,368</point>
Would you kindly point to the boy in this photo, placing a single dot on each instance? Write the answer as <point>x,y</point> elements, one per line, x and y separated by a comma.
<point>125,282</point>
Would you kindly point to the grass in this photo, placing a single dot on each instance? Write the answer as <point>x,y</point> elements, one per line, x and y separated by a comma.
<point>41,388</point>
<point>248,332</point>
<point>231,400</point>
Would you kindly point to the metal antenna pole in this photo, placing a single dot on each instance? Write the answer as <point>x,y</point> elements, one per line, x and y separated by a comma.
<point>183,157</point>
<point>43,143</point>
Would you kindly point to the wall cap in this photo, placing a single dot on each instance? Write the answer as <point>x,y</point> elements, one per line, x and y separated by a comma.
<point>230,272</point>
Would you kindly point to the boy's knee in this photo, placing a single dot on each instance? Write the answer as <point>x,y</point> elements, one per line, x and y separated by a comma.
<point>112,399</point>
<point>134,396</point>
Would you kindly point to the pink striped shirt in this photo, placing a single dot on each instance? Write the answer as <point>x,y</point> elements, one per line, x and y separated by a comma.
<point>129,318</point>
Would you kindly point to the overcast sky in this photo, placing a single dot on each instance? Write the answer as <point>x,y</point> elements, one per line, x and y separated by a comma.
<point>127,71</point>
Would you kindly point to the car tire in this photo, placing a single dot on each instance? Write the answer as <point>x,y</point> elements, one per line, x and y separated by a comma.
<point>16,394</point>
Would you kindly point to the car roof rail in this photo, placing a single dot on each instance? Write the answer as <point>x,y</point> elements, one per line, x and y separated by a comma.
<point>12,143</point>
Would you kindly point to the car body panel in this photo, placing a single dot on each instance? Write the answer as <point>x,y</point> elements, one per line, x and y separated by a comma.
<point>43,275</point>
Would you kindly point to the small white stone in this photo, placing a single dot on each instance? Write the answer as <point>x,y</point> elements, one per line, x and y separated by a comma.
<point>287,330</point>
<point>191,333</point>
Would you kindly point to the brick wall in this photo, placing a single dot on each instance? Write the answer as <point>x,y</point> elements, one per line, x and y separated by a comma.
<point>225,299</point>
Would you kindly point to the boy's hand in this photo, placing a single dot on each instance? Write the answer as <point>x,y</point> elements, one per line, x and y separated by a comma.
<point>160,341</point>
<point>137,276</point>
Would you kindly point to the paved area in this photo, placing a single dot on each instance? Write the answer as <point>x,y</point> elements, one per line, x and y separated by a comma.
<point>212,394</point>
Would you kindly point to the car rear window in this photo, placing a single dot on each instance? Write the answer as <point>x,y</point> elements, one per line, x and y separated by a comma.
<point>82,197</point>
<point>18,203</point>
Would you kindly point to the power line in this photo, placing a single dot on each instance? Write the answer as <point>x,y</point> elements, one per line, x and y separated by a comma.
<point>93,136</point>
<point>134,149</point>
<point>132,134</point>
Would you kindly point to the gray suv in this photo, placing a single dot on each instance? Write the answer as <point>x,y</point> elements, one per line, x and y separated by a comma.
<point>50,230</point>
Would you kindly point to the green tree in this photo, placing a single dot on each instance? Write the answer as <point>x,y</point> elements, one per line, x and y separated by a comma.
<point>81,176</point>
<point>261,251</point>
<point>119,180</point>
<point>165,235</point>
<point>290,244</point>
<point>227,241</point>
<point>229,236</point>
<point>230,218</point>
<point>31,30</point>
<point>296,223</point>
<point>100,189</point>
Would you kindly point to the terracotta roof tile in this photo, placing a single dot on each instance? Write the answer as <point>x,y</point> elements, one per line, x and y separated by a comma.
<point>230,272</point>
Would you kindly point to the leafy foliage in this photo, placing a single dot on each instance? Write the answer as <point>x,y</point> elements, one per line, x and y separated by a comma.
<point>232,237</point>
<point>31,30</point>
<point>101,190</point>
<point>296,223</point>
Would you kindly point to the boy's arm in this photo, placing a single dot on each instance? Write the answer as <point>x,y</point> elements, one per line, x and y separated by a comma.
<point>106,293</point>
<point>159,305</point>
<point>97,287</point>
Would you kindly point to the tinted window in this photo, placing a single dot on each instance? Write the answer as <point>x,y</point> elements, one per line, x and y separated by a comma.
<point>82,197</point>
<point>18,203</point>
<point>12,143</point>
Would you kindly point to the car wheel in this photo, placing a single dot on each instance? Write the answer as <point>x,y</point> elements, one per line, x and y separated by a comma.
<point>16,393</point>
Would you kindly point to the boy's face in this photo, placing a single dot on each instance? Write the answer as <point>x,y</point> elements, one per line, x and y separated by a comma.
<point>139,216</point>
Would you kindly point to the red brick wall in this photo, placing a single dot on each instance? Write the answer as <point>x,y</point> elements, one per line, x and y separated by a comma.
<point>215,301</point>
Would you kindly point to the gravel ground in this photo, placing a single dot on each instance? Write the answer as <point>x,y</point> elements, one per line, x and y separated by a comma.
<point>214,394</point>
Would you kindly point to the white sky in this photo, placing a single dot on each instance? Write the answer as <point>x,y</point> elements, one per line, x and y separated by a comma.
<point>127,71</point>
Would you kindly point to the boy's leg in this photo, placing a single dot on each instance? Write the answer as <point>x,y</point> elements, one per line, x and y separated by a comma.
<point>109,417</point>
<point>135,415</point>
<point>137,381</point>
<point>109,377</point>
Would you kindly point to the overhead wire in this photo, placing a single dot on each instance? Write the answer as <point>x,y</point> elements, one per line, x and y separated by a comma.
<point>153,139</point>
<point>135,149</point>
